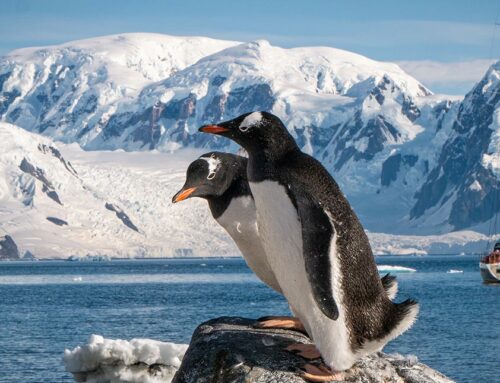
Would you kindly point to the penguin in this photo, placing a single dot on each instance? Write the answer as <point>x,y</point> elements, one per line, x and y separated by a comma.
<point>221,179</point>
<point>316,248</point>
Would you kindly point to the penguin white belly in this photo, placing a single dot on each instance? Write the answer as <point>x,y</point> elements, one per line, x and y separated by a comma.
<point>240,221</point>
<point>281,233</point>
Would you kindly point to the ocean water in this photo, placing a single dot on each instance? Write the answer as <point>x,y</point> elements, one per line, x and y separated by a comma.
<point>48,306</point>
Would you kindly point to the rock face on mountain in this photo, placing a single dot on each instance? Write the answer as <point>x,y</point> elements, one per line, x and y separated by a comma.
<point>465,179</point>
<point>230,350</point>
<point>8,248</point>
<point>395,148</point>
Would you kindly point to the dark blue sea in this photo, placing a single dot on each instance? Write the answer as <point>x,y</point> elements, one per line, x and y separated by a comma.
<point>48,306</point>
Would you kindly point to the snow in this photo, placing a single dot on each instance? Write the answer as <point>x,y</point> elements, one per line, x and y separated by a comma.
<point>116,360</point>
<point>476,186</point>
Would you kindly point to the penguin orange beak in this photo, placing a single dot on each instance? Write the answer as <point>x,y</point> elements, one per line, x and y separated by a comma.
<point>214,129</point>
<point>183,194</point>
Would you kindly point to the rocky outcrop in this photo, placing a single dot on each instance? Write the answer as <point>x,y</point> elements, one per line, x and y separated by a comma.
<point>39,174</point>
<point>8,248</point>
<point>121,215</point>
<point>57,221</point>
<point>227,350</point>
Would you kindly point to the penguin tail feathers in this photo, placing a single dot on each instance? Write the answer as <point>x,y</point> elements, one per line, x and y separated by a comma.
<point>404,316</point>
<point>400,317</point>
<point>390,285</point>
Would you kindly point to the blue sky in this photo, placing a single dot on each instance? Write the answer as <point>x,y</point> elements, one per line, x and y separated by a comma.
<point>446,44</point>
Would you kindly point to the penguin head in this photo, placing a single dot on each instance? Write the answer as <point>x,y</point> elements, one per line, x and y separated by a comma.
<point>211,175</point>
<point>256,132</point>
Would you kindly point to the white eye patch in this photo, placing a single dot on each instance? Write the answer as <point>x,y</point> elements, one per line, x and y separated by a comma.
<point>249,121</point>
<point>213,165</point>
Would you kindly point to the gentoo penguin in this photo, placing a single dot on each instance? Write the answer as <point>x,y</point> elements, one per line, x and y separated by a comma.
<point>221,179</point>
<point>316,247</point>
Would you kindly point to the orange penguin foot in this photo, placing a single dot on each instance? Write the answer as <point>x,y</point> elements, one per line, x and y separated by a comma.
<point>287,323</point>
<point>307,351</point>
<point>320,373</point>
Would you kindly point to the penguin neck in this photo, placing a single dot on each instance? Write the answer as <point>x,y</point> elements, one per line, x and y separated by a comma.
<point>238,188</point>
<point>266,164</point>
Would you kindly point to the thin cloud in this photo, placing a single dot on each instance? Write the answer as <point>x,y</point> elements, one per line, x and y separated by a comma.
<point>459,76</point>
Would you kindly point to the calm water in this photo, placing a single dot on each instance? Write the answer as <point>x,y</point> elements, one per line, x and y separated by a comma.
<point>46,307</point>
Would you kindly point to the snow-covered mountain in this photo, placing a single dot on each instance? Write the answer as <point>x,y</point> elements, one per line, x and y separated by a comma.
<point>58,201</point>
<point>400,153</point>
<point>70,91</point>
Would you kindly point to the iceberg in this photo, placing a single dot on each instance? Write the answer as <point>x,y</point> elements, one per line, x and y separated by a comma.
<point>117,360</point>
<point>394,269</point>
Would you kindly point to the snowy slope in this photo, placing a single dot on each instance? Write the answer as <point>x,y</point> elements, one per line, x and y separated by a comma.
<point>116,204</point>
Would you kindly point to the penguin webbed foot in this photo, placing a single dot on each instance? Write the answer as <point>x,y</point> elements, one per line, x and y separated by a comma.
<point>307,351</point>
<point>320,373</point>
<point>280,322</point>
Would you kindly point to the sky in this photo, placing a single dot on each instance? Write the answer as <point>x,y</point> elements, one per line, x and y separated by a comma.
<point>446,44</point>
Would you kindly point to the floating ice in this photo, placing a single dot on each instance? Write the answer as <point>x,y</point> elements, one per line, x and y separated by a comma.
<point>395,269</point>
<point>117,360</point>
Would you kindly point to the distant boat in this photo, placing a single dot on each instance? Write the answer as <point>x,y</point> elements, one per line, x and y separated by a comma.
<point>490,266</point>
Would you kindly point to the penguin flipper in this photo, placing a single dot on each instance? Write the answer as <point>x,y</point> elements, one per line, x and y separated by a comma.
<point>317,232</point>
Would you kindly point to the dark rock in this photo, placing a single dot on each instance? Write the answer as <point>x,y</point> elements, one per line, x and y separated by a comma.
<point>8,248</point>
<point>227,350</point>
<point>57,221</point>
<point>47,149</point>
<point>409,109</point>
<point>29,256</point>
<point>36,172</point>
<point>122,216</point>
<point>51,194</point>
<point>375,131</point>
<point>392,165</point>
<point>390,169</point>
<point>39,174</point>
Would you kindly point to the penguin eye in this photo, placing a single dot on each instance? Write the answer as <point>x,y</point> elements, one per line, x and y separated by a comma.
<point>211,175</point>
<point>243,128</point>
